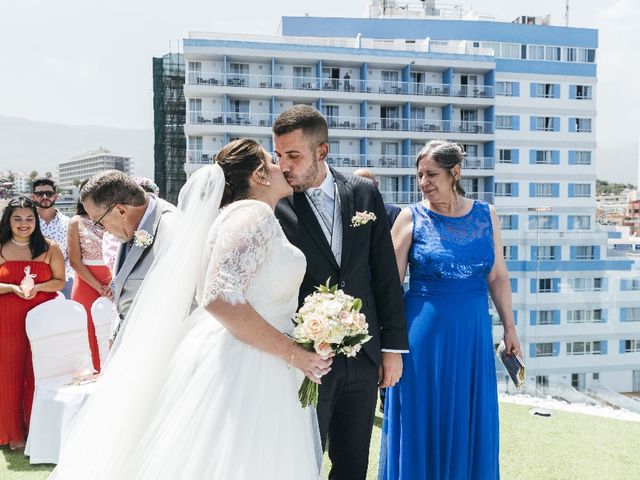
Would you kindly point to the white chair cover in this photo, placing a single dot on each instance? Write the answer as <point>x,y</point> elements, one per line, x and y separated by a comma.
<point>103,312</point>
<point>57,331</point>
<point>60,296</point>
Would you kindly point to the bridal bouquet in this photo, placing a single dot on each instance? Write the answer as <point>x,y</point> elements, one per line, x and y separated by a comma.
<point>328,322</point>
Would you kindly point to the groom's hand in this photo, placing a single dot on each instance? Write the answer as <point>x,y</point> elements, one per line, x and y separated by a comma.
<point>390,370</point>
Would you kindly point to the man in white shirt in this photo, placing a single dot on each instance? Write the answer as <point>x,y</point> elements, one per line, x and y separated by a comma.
<point>53,224</point>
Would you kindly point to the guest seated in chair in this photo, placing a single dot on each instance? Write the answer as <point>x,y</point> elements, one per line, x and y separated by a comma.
<point>32,270</point>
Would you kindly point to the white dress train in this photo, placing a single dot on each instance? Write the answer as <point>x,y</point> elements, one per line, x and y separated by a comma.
<point>227,410</point>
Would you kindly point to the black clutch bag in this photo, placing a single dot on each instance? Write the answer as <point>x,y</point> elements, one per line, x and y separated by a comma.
<point>513,364</point>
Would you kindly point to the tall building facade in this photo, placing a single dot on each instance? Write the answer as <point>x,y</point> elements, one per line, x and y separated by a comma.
<point>168,121</point>
<point>520,97</point>
<point>79,168</point>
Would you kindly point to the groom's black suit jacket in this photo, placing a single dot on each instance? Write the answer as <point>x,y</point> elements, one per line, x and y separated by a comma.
<point>368,268</point>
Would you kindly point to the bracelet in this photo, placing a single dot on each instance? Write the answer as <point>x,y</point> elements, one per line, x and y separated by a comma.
<point>293,351</point>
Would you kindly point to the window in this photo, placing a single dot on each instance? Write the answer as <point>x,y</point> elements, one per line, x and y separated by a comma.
<point>582,125</point>
<point>536,52</point>
<point>584,348</point>
<point>504,122</point>
<point>544,124</point>
<point>585,316</point>
<point>545,317</point>
<point>505,155</point>
<point>543,190</point>
<point>630,314</point>
<point>630,284</point>
<point>546,253</point>
<point>586,284</point>
<point>503,189</point>
<point>552,54</point>
<point>578,381</point>
<point>510,252</point>
<point>544,90</point>
<point>504,89</point>
<point>544,350</point>
<point>631,346</point>
<point>544,222</point>
<point>585,252</point>
<point>582,158</point>
<point>583,92</point>
<point>510,50</point>
<point>586,55</point>
<point>595,376</point>
<point>542,381</point>
<point>571,55</point>
<point>545,285</point>
<point>581,222</point>
<point>582,190</point>
<point>507,222</point>
<point>544,157</point>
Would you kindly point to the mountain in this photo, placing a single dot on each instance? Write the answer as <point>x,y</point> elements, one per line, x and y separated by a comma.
<point>27,145</point>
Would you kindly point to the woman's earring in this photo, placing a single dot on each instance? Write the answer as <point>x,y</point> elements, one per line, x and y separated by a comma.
<point>268,184</point>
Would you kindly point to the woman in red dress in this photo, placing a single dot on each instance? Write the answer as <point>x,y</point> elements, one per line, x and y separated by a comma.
<point>93,277</point>
<point>22,245</point>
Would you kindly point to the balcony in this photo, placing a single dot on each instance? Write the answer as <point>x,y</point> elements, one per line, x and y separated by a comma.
<point>201,157</point>
<point>348,123</point>
<point>374,161</point>
<point>385,87</point>
<point>478,163</point>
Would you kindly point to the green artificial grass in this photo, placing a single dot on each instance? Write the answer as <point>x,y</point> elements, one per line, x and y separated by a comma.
<point>568,445</point>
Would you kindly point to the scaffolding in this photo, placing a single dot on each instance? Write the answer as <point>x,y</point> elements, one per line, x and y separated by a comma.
<point>169,116</point>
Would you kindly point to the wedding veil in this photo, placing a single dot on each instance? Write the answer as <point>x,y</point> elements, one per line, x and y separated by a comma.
<point>115,417</point>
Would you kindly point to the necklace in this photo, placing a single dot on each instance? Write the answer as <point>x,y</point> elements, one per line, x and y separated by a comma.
<point>20,244</point>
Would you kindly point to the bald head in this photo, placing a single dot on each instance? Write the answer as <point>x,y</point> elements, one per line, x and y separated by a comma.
<point>366,173</point>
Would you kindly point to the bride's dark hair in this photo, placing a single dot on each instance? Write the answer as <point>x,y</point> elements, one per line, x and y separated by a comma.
<point>238,160</point>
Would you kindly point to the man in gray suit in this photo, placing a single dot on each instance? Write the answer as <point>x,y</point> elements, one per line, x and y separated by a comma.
<point>116,203</point>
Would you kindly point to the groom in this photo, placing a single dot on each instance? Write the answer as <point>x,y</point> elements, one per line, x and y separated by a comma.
<point>360,260</point>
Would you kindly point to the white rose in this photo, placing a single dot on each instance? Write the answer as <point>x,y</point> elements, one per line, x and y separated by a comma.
<point>323,349</point>
<point>314,327</point>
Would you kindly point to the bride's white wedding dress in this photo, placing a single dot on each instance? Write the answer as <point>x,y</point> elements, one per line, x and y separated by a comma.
<point>222,409</point>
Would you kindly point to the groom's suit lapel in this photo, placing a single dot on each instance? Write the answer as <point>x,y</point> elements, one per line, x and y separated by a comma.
<point>345,191</point>
<point>306,216</point>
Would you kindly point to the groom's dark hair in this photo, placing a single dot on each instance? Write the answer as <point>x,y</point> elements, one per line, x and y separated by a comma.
<point>306,118</point>
<point>238,160</point>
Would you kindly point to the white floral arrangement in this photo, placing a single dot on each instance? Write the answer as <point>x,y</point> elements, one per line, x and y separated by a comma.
<point>142,238</point>
<point>329,321</point>
<point>362,218</point>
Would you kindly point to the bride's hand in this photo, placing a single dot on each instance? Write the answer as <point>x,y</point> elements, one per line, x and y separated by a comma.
<point>311,364</point>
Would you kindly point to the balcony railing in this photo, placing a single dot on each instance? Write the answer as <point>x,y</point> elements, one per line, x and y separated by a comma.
<point>401,198</point>
<point>386,87</point>
<point>349,123</point>
<point>201,157</point>
<point>478,163</point>
<point>374,161</point>
<point>484,196</point>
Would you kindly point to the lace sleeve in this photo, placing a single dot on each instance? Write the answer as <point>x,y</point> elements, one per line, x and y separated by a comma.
<point>244,239</point>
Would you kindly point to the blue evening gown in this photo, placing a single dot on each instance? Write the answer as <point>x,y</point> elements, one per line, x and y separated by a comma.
<point>441,419</point>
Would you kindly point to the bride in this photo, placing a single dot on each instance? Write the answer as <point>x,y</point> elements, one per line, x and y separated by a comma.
<point>209,394</point>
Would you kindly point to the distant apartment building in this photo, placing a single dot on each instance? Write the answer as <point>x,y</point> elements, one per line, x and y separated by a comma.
<point>79,168</point>
<point>520,97</point>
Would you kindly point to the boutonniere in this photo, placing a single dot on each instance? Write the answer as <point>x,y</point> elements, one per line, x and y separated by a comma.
<point>362,218</point>
<point>142,238</point>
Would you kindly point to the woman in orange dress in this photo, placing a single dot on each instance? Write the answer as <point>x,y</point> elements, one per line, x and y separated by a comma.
<point>93,277</point>
<point>22,245</point>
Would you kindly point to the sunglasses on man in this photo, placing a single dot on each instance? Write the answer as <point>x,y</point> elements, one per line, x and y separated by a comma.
<point>45,193</point>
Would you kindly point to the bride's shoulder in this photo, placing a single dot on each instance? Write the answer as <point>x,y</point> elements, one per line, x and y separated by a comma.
<point>247,212</point>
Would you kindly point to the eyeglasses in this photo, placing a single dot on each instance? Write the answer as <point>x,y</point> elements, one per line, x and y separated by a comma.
<point>45,193</point>
<point>98,223</point>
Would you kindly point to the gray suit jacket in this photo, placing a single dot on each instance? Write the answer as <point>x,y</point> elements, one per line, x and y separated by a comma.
<point>139,259</point>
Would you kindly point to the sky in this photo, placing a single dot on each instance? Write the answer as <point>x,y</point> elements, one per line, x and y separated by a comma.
<point>88,62</point>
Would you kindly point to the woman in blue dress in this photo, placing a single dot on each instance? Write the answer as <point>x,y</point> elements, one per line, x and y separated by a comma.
<point>441,419</point>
